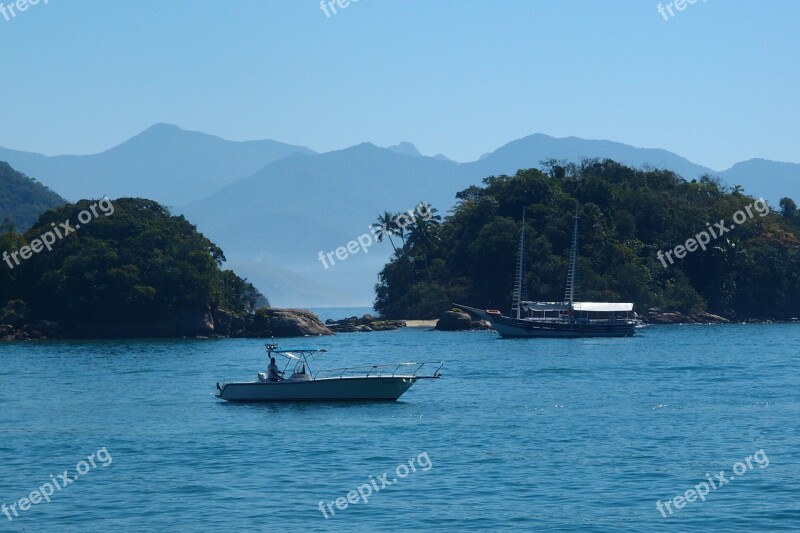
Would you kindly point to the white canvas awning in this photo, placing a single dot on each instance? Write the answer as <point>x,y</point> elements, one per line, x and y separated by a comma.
<point>545,306</point>
<point>603,307</point>
<point>592,307</point>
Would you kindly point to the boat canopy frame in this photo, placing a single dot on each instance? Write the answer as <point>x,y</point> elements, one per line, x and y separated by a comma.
<point>379,371</point>
<point>298,355</point>
<point>304,355</point>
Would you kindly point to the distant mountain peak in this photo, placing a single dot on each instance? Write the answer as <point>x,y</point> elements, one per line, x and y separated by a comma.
<point>755,161</point>
<point>163,133</point>
<point>442,157</point>
<point>405,148</point>
<point>161,128</point>
<point>164,126</point>
<point>164,162</point>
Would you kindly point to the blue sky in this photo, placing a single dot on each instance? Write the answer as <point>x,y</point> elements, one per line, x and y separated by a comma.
<point>717,83</point>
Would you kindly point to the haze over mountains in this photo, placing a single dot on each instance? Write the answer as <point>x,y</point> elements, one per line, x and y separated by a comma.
<point>273,207</point>
<point>164,163</point>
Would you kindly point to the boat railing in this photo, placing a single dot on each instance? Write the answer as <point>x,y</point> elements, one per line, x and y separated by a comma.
<point>415,370</point>
<point>580,320</point>
<point>618,320</point>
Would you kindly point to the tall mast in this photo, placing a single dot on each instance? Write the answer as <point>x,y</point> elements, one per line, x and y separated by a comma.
<point>572,280</point>
<point>516,303</point>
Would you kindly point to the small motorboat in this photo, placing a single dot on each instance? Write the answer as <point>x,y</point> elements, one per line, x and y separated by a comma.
<point>376,382</point>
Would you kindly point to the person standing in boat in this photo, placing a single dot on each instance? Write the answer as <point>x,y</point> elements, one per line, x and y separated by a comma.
<point>273,374</point>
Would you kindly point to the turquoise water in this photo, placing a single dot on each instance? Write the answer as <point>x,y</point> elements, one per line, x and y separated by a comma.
<point>566,435</point>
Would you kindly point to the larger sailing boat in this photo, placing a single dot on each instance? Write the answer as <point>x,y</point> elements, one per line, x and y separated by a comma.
<point>569,318</point>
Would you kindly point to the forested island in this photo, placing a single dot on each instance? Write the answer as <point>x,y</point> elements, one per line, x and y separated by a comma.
<point>135,270</point>
<point>627,216</point>
<point>129,268</point>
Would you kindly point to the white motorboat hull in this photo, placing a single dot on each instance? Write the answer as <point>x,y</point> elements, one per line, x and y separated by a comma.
<point>324,389</point>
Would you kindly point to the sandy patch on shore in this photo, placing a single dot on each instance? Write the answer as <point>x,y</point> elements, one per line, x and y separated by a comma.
<point>420,323</point>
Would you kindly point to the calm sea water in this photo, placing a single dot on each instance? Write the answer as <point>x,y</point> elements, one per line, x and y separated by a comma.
<point>566,435</point>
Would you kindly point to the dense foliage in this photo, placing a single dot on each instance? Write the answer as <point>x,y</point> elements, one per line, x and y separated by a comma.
<point>135,265</point>
<point>23,199</point>
<point>626,217</point>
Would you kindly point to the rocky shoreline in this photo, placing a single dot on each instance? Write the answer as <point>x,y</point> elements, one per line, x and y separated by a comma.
<point>459,321</point>
<point>268,323</point>
<point>656,316</point>
<point>264,323</point>
<point>364,324</point>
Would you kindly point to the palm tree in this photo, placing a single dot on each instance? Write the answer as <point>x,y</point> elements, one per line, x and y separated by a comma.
<point>401,222</point>
<point>424,231</point>
<point>386,227</point>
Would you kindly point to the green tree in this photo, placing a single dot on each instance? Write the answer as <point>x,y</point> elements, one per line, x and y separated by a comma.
<point>385,228</point>
<point>423,235</point>
<point>788,208</point>
<point>627,216</point>
<point>135,265</point>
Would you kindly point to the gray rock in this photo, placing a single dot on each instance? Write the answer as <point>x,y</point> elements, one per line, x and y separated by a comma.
<point>387,325</point>
<point>268,322</point>
<point>196,324</point>
<point>222,321</point>
<point>654,316</point>
<point>364,324</point>
<point>454,321</point>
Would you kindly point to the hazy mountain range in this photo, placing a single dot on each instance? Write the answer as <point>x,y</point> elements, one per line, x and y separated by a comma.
<point>163,162</point>
<point>273,207</point>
